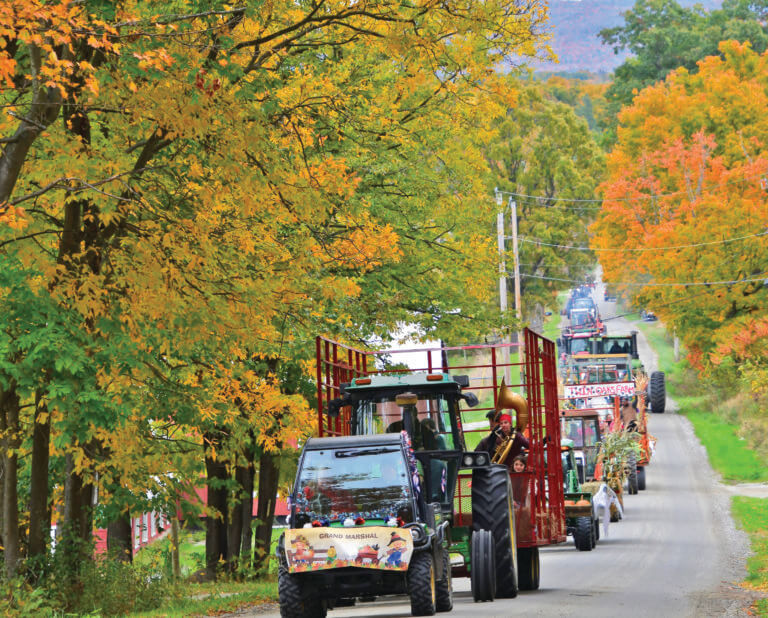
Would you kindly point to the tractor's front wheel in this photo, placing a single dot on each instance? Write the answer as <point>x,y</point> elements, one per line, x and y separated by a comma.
<point>641,478</point>
<point>482,566</point>
<point>492,509</point>
<point>597,529</point>
<point>444,601</point>
<point>528,568</point>
<point>422,584</point>
<point>293,603</point>
<point>582,535</point>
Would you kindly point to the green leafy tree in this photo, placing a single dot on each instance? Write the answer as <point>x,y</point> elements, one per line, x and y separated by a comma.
<point>545,150</point>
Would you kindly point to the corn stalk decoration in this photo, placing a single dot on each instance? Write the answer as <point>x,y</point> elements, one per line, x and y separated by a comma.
<point>615,451</point>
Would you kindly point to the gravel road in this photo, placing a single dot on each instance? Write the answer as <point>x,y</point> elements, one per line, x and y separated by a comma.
<point>676,553</point>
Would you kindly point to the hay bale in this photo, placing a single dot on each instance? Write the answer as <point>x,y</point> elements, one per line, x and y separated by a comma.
<point>591,487</point>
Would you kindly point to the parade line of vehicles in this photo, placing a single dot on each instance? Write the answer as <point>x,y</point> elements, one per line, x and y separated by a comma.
<point>396,497</point>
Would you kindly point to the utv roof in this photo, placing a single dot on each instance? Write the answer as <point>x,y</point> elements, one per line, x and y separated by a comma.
<point>382,439</point>
<point>611,357</point>
<point>398,381</point>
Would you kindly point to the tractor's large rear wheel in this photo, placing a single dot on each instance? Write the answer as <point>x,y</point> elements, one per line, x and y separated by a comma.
<point>492,510</point>
<point>632,476</point>
<point>657,392</point>
<point>293,603</point>
<point>422,584</point>
<point>482,566</point>
<point>528,568</point>
<point>641,477</point>
<point>582,535</point>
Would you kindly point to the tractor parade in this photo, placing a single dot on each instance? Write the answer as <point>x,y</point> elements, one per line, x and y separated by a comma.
<point>406,488</point>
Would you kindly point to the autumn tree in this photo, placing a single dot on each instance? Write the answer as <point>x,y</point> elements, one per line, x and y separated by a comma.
<point>189,196</point>
<point>682,229</point>
<point>662,35</point>
<point>545,153</point>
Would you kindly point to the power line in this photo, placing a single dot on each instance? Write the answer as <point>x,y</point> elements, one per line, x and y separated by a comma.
<point>535,241</point>
<point>672,302</point>
<point>642,285</point>
<point>574,200</point>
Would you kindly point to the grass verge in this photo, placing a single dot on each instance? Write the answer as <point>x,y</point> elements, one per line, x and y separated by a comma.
<point>719,432</point>
<point>752,516</point>
<point>215,598</point>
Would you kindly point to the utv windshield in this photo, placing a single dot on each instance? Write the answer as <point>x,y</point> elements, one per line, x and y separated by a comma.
<point>428,421</point>
<point>370,482</point>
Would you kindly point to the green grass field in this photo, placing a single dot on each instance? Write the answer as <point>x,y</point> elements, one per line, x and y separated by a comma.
<point>752,516</point>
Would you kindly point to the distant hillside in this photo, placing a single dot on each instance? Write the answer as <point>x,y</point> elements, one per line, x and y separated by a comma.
<point>575,24</point>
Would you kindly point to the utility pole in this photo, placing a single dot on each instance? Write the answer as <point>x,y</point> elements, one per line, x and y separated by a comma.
<point>516,253</point>
<point>503,274</point>
<point>502,281</point>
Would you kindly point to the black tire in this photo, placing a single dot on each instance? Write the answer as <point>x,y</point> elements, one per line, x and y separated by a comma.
<point>529,568</point>
<point>641,478</point>
<point>582,534</point>
<point>632,477</point>
<point>345,602</point>
<point>482,566</point>
<point>422,585</point>
<point>492,510</point>
<point>292,601</point>
<point>594,537</point>
<point>657,392</point>
<point>597,529</point>
<point>444,601</point>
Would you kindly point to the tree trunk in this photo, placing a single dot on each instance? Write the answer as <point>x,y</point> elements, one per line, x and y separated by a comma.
<point>77,528</point>
<point>9,426</point>
<point>269,473</point>
<point>216,524</point>
<point>119,538</point>
<point>175,563</point>
<point>39,508</point>
<point>247,509</point>
<point>235,527</point>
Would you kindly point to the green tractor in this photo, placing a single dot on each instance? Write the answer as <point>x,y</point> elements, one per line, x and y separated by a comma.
<point>580,519</point>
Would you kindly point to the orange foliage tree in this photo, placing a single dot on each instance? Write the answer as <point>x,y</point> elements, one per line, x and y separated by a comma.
<point>685,201</point>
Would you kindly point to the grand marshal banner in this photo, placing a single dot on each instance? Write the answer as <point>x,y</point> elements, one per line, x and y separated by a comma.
<point>372,547</point>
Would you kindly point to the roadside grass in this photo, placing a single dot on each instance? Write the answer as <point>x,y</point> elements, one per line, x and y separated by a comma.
<point>727,451</point>
<point>206,599</point>
<point>752,516</point>
<point>713,419</point>
<point>191,598</point>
